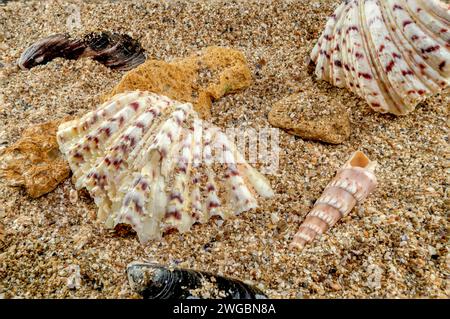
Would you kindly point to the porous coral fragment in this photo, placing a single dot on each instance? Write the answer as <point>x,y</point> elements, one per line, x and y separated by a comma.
<point>392,53</point>
<point>199,79</point>
<point>150,162</point>
<point>312,116</point>
<point>34,160</point>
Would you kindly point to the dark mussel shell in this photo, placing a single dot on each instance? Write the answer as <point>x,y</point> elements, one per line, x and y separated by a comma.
<point>114,50</point>
<point>49,48</point>
<point>154,281</point>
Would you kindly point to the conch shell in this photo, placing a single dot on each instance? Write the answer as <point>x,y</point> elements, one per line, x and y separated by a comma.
<point>352,184</point>
<point>140,157</point>
<point>392,53</point>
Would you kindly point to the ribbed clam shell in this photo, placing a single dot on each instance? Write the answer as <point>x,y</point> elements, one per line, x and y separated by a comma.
<point>392,53</point>
<point>351,185</point>
<point>150,162</point>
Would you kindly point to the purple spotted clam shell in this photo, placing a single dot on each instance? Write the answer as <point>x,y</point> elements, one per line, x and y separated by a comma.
<point>392,53</point>
<point>149,162</point>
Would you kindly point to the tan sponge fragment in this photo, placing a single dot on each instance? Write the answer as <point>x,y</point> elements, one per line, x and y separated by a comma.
<point>34,161</point>
<point>312,116</point>
<point>200,78</point>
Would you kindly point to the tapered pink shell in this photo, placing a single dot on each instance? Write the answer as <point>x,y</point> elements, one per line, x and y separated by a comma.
<point>351,185</point>
<point>392,53</point>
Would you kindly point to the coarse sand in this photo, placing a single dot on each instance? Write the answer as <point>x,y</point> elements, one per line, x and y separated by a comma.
<point>395,244</point>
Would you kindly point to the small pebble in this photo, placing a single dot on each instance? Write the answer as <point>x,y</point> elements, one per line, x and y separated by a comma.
<point>74,279</point>
<point>73,195</point>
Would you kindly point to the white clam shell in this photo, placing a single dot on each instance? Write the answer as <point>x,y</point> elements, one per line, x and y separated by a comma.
<point>392,53</point>
<point>152,163</point>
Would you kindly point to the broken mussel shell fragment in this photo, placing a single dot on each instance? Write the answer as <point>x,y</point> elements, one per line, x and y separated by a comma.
<point>154,281</point>
<point>114,50</point>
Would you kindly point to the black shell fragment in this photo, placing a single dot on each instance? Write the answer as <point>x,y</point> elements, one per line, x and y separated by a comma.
<point>116,51</point>
<point>153,281</point>
<point>47,49</point>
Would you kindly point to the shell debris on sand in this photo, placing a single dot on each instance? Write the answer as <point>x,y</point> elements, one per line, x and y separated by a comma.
<point>394,53</point>
<point>351,185</point>
<point>34,161</point>
<point>312,115</point>
<point>200,78</point>
<point>150,162</point>
<point>275,37</point>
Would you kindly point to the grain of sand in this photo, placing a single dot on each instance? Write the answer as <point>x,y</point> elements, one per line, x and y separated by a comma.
<point>393,245</point>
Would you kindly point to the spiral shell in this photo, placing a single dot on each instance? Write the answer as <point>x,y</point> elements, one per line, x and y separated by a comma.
<point>392,53</point>
<point>351,185</point>
<point>150,162</point>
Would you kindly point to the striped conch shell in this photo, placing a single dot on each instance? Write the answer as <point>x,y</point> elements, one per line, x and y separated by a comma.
<point>351,185</point>
<point>392,53</point>
<point>150,162</point>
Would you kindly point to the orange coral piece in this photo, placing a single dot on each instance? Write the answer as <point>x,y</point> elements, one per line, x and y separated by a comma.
<point>34,161</point>
<point>200,78</point>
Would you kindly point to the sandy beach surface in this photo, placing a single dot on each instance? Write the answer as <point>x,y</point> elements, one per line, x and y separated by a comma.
<point>395,244</point>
